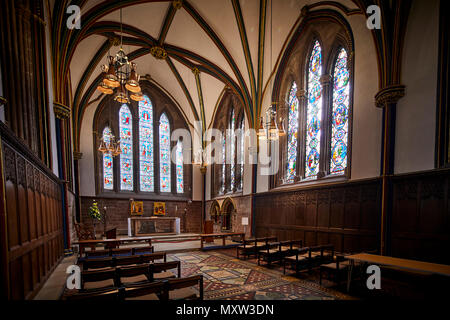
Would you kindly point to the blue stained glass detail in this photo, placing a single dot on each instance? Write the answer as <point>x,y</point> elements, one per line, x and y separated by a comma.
<point>292,134</point>
<point>164,153</point>
<point>242,153</point>
<point>232,150</point>
<point>339,123</point>
<point>146,145</point>
<point>180,185</point>
<point>224,140</point>
<point>314,112</point>
<point>108,177</point>
<point>126,141</point>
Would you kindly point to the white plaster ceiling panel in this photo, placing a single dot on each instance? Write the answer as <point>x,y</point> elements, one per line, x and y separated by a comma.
<point>189,81</point>
<point>211,89</point>
<point>250,14</point>
<point>219,15</point>
<point>88,6</point>
<point>147,17</point>
<point>83,55</point>
<point>159,71</point>
<point>186,33</point>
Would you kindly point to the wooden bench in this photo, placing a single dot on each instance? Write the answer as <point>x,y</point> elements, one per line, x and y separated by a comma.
<point>222,236</point>
<point>276,251</point>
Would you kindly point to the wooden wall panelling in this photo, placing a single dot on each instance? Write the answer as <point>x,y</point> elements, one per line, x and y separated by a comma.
<point>33,218</point>
<point>345,214</point>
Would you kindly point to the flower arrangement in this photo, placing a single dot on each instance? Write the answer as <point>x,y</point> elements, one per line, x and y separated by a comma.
<point>94,212</point>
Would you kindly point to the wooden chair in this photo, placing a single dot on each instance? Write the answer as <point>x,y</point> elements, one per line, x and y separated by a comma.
<point>143,250</point>
<point>327,253</point>
<point>270,253</point>
<point>148,291</point>
<point>337,269</point>
<point>95,254</point>
<point>85,233</point>
<point>180,289</point>
<point>120,252</point>
<point>298,261</point>
<point>246,248</point>
<point>111,234</point>
<point>151,257</point>
<point>127,260</point>
<point>129,276</point>
<point>158,271</point>
<point>100,263</point>
<point>93,296</point>
<point>261,243</point>
<point>99,279</point>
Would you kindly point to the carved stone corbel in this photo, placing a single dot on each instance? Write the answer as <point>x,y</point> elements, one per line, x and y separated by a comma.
<point>389,95</point>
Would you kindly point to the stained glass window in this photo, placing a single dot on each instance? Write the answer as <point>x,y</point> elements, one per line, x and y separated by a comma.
<point>164,153</point>
<point>339,123</point>
<point>107,162</point>
<point>180,185</point>
<point>126,141</point>
<point>232,150</point>
<point>146,145</point>
<point>314,112</point>
<point>292,134</point>
<point>241,153</point>
<point>224,140</point>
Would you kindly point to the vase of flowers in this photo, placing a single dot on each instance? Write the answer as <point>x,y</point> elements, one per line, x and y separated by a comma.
<point>95,214</point>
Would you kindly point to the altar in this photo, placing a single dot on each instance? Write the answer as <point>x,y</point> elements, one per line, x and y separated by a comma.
<point>144,226</point>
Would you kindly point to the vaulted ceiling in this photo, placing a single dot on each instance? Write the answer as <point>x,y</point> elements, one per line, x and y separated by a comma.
<point>232,43</point>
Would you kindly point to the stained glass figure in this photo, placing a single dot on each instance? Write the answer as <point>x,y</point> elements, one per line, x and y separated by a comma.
<point>107,162</point>
<point>164,153</point>
<point>179,154</point>
<point>314,112</point>
<point>126,141</point>
<point>146,145</point>
<point>224,140</point>
<point>232,150</point>
<point>339,123</point>
<point>242,153</point>
<point>292,134</point>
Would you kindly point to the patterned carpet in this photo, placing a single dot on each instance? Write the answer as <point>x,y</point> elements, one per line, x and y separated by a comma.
<point>227,278</point>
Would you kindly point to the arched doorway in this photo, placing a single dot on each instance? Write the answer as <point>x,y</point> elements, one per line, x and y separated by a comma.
<point>214,212</point>
<point>228,209</point>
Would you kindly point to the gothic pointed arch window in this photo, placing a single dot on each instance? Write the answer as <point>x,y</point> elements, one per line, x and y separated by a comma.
<point>292,135</point>
<point>108,166</point>
<point>340,111</point>
<point>314,112</point>
<point>150,164</point>
<point>316,84</point>
<point>146,165</point>
<point>126,139</point>
<point>164,154</point>
<point>179,166</point>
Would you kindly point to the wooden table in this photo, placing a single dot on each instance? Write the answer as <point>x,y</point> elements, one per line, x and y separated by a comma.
<point>405,264</point>
<point>222,236</point>
<point>92,243</point>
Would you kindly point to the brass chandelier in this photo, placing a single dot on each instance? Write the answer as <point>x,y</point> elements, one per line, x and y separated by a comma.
<point>120,73</point>
<point>110,146</point>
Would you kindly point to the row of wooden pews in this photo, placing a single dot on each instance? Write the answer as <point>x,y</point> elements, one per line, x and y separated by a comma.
<point>133,273</point>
